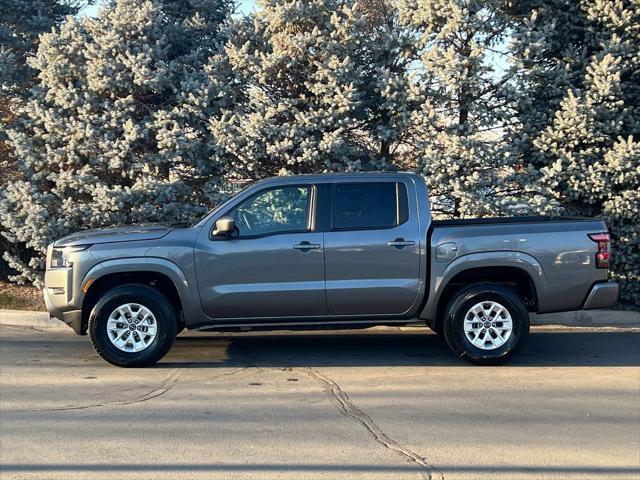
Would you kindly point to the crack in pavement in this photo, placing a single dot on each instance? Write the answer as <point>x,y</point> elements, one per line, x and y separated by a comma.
<point>347,408</point>
<point>171,380</point>
<point>167,385</point>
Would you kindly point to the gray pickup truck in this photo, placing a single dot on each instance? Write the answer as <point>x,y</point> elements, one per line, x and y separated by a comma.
<point>327,251</point>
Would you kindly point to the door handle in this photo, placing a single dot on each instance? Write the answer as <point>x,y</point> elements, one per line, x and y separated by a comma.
<point>400,243</point>
<point>306,246</point>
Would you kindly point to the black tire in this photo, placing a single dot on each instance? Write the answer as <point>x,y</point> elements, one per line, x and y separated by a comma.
<point>459,306</point>
<point>152,299</point>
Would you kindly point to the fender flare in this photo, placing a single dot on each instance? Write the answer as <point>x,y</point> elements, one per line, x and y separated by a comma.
<point>143,264</point>
<point>513,259</point>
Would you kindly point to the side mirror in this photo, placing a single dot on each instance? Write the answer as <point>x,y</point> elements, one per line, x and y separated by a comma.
<point>224,226</point>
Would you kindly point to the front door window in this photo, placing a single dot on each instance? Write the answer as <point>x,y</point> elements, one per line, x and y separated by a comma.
<point>276,210</point>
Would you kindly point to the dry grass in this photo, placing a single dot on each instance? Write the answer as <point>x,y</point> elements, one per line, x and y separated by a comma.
<point>20,297</point>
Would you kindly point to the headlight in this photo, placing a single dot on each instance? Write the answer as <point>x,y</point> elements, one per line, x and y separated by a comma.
<point>60,256</point>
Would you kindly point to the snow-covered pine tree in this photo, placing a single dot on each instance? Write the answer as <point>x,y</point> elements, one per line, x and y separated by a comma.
<point>325,88</point>
<point>21,22</point>
<point>116,131</point>
<point>592,148</point>
<point>458,132</point>
<point>390,94</point>
<point>551,46</point>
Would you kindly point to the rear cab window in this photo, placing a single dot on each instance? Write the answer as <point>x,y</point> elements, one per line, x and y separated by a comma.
<point>369,206</point>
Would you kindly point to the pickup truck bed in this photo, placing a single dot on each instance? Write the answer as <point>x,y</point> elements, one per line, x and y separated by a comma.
<point>555,252</point>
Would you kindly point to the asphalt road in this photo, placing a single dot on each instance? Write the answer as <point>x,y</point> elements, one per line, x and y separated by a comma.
<point>376,404</point>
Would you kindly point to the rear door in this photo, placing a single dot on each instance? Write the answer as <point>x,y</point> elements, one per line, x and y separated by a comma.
<point>372,248</point>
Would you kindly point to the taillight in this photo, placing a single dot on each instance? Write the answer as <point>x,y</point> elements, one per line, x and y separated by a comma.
<point>602,256</point>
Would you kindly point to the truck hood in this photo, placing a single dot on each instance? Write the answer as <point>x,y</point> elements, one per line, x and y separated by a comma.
<point>114,234</point>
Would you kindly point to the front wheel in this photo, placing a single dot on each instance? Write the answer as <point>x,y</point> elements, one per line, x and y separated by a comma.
<point>486,324</point>
<point>132,325</point>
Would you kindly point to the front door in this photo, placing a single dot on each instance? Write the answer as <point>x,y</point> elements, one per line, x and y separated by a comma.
<point>372,249</point>
<point>273,266</point>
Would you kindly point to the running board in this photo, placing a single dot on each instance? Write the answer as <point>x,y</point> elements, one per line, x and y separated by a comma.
<point>302,325</point>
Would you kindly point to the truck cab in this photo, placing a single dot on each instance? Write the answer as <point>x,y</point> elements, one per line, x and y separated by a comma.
<point>339,246</point>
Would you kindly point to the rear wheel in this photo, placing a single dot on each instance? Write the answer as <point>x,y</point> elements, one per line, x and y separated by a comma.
<point>486,324</point>
<point>132,326</point>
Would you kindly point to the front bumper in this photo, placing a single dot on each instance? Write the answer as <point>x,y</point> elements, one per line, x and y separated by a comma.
<point>601,295</point>
<point>73,318</point>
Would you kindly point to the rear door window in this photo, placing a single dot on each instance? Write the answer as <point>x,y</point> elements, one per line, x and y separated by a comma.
<point>368,206</point>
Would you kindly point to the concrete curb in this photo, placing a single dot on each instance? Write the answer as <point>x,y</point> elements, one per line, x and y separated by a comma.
<point>582,318</point>
<point>39,320</point>
<point>590,318</point>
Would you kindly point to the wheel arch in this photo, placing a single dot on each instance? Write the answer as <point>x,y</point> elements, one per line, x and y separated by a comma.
<point>518,271</point>
<point>161,274</point>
